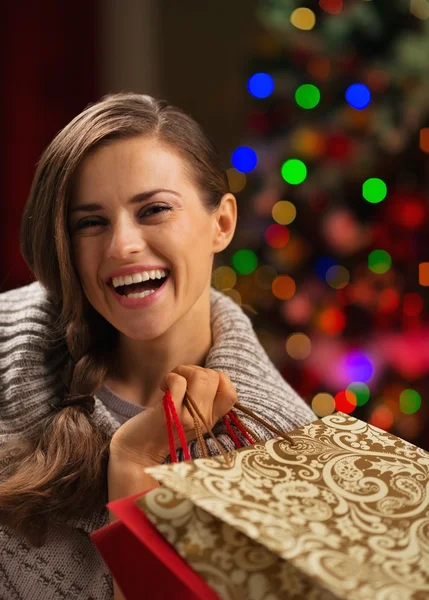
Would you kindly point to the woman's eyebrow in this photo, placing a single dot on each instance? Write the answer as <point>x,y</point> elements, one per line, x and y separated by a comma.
<point>142,197</point>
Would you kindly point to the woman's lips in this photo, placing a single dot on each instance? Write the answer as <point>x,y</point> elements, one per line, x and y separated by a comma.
<point>139,302</point>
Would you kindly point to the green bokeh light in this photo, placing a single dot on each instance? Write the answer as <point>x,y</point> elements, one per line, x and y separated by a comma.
<point>374,190</point>
<point>244,261</point>
<point>379,261</point>
<point>409,402</point>
<point>361,391</point>
<point>294,171</point>
<point>307,96</point>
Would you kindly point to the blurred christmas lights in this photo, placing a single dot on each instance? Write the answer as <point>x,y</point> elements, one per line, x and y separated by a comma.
<point>260,85</point>
<point>365,141</point>
<point>323,404</point>
<point>284,212</point>
<point>298,346</point>
<point>374,190</point>
<point>333,7</point>
<point>283,287</point>
<point>307,96</point>
<point>424,273</point>
<point>245,261</point>
<point>361,392</point>
<point>294,171</point>
<point>303,18</point>
<point>379,261</point>
<point>358,96</point>
<point>244,159</point>
<point>323,265</point>
<point>236,180</point>
<point>424,139</point>
<point>409,401</point>
<point>277,236</point>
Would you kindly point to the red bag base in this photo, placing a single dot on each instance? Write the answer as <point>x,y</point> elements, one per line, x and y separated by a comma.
<point>142,562</point>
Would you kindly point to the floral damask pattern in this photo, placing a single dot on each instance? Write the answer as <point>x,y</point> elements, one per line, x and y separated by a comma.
<point>341,514</point>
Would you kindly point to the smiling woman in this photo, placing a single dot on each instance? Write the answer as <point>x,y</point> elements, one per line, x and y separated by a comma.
<point>129,205</point>
<point>118,184</point>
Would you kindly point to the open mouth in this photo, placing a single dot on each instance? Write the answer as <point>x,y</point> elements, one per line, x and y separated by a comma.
<point>142,286</point>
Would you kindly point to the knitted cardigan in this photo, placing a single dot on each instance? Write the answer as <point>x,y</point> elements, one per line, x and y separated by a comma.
<point>68,566</point>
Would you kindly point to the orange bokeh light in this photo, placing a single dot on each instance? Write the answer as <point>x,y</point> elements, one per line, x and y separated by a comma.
<point>382,417</point>
<point>424,274</point>
<point>283,287</point>
<point>424,139</point>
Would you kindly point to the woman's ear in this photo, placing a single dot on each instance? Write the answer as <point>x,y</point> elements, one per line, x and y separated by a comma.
<point>225,223</point>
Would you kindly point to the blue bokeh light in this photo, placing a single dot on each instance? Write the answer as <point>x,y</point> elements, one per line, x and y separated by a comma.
<point>323,265</point>
<point>358,366</point>
<point>358,95</point>
<point>244,159</point>
<point>260,85</point>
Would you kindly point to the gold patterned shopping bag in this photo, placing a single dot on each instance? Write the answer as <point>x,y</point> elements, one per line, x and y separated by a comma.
<point>341,514</point>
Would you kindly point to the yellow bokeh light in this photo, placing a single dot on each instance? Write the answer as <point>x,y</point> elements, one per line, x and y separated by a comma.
<point>323,404</point>
<point>303,18</point>
<point>298,346</point>
<point>284,212</point>
<point>224,278</point>
<point>420,9</point>
<point>283,287</point>
<point>236,180</point>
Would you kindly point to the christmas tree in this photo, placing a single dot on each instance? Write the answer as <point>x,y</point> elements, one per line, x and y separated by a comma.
<point>331,253</point>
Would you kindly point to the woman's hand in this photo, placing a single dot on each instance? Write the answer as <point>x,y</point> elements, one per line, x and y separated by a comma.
<point>143,439</point>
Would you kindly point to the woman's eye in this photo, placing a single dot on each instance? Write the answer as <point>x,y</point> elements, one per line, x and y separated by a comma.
<point>94,223</point>
<point>161,206</point>
<point>85,224</point>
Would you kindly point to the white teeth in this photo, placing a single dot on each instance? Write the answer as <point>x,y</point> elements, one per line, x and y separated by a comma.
<point>141,294</point>
<point>138,277</point>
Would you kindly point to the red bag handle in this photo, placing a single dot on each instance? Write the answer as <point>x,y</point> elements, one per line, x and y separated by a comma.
<point>230,418</point>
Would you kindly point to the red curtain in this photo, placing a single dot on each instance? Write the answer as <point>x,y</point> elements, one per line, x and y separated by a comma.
<point>49,74</point>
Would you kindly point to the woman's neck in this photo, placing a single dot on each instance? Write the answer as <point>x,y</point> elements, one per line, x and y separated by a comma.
<point>137,368</point>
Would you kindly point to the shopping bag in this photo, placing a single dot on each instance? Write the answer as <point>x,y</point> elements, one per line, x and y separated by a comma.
<point>142,562</point>
<point>339,511</point>
<point>138,556</point>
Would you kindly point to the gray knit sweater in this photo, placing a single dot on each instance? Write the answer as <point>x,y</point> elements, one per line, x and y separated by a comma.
<point>68,566</point>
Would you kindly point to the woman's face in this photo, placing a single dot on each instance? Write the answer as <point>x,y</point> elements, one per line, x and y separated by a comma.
<point>178,234</point>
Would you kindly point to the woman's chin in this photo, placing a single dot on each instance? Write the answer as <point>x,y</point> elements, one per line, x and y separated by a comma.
<point>143,334</point>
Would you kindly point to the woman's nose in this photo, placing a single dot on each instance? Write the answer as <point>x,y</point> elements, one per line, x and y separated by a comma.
<point>126,238</point>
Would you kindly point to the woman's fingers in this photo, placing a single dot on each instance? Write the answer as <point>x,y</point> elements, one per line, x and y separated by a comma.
<point>145,436</point>
<point>176,383</point>
<point>226,397</point>
<point>212,391</point>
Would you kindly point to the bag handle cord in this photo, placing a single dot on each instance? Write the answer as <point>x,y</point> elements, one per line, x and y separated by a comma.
<point>230,419</point>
